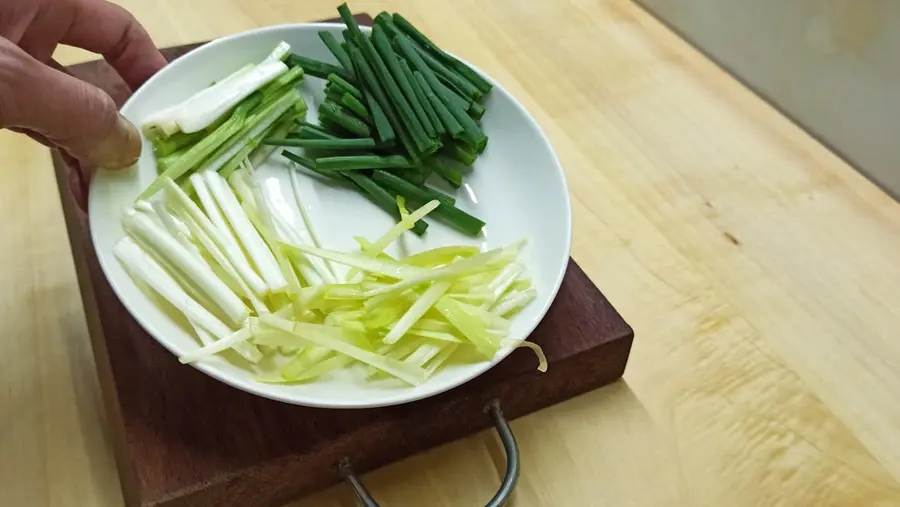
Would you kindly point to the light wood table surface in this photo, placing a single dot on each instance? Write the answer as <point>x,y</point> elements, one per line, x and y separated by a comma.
<point>759,271</point>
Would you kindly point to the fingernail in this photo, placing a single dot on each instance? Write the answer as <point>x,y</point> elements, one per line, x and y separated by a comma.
<point>120,149</point>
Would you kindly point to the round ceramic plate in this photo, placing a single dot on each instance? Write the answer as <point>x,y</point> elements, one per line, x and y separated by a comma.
<point>517,186</point>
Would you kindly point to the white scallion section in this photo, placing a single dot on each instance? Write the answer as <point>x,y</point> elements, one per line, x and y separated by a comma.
<point>208,105</point>
<point>149,233</point>
<point>219,230</point>
<point>256,248</point>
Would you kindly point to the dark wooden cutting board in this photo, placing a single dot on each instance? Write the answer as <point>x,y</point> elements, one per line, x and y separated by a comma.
<point>184,439</point>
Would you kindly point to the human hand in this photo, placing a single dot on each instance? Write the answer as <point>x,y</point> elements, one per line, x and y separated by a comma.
<point>55,108</point>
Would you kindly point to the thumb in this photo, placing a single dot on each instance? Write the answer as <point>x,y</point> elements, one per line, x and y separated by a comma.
<point>79,118</point>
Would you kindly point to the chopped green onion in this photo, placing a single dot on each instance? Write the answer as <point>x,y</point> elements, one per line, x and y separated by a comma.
<point>335,47</point>
<point>324,144</point>
<point>356,162</point>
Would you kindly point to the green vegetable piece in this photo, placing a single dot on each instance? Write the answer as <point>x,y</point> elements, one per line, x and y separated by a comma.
<point>383,45</point>
<point>316,68</point>
<point>386,134</point>
<point>313,132</point>
<point>382,198</point>
<point>472,134</point>
<point>175,142</point>
<point>397,100</point>
<point>324,144</point>
<point>460,153</point>
<point>356,107</point>
<point>455,97</point>
<point>347,18</point>
<point>276,87</point>
<point>459,82</point>
<point>311,165</point>
<point>453,216</point>
<point>335,47</point>
<point>433,118</point>
<point>437,194</point>
<point>379,104</point>
<point>279,129</point>
<point>413,175</point>
<point>449,122</point>
<point>451,175</point>
<point>334,113</point>
<point>342,83</point>
<point>333,94</point>
<point>467,72</point>
<point>476,110</point>
<point>357,162</point>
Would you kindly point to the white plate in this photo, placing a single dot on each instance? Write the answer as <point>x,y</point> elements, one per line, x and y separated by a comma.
<point>517,187</point>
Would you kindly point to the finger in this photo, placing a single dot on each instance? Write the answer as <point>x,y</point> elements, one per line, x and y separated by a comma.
<point>79,118</point>
<point>44,29</point>
<point>107,29</point>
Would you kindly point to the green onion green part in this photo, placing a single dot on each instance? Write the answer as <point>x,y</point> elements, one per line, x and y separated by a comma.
<point>433,118</point>
<point>342,83</point>
<point>382,198</point>
<point>383,45</point>
<point>318,69</point>
<point>463,69</point>
<point>357,162</point>
<point>451,175</point>
<point>453,216</point>
<point>378,96</point>
<point>448,121</point>
<point>335,47</point>
<point>334,113</point>
<point>361,143</point>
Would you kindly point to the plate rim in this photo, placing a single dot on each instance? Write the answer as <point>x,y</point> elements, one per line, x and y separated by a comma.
<point>393,400</point>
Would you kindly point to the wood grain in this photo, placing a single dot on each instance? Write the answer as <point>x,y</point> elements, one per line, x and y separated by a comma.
<point>764,371</point>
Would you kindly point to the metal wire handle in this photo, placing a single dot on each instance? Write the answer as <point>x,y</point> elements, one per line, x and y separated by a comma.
<point>509,480</point>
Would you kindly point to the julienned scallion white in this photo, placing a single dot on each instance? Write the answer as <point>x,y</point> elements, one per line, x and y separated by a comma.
<point>147,232</point>
<point>315,327</point>
<point>144,268</point>
<point>223,238</point>
<point>208,105</point>
<point>262,257</point>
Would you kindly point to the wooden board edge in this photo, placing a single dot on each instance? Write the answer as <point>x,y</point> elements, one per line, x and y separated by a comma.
<point>534,392</point>
<point>79,247</point>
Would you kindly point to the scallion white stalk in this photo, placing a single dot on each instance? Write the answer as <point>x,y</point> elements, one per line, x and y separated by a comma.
<point>216,253</point>
<point>208,105</point>
<point>308,235</point>
<point>145,268</point>
<point>256,248</point>
<point>233,340</point>
<point>225,237</point>
<point>172,228</point>
<point>148,232</point>
<point>314,270</point>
